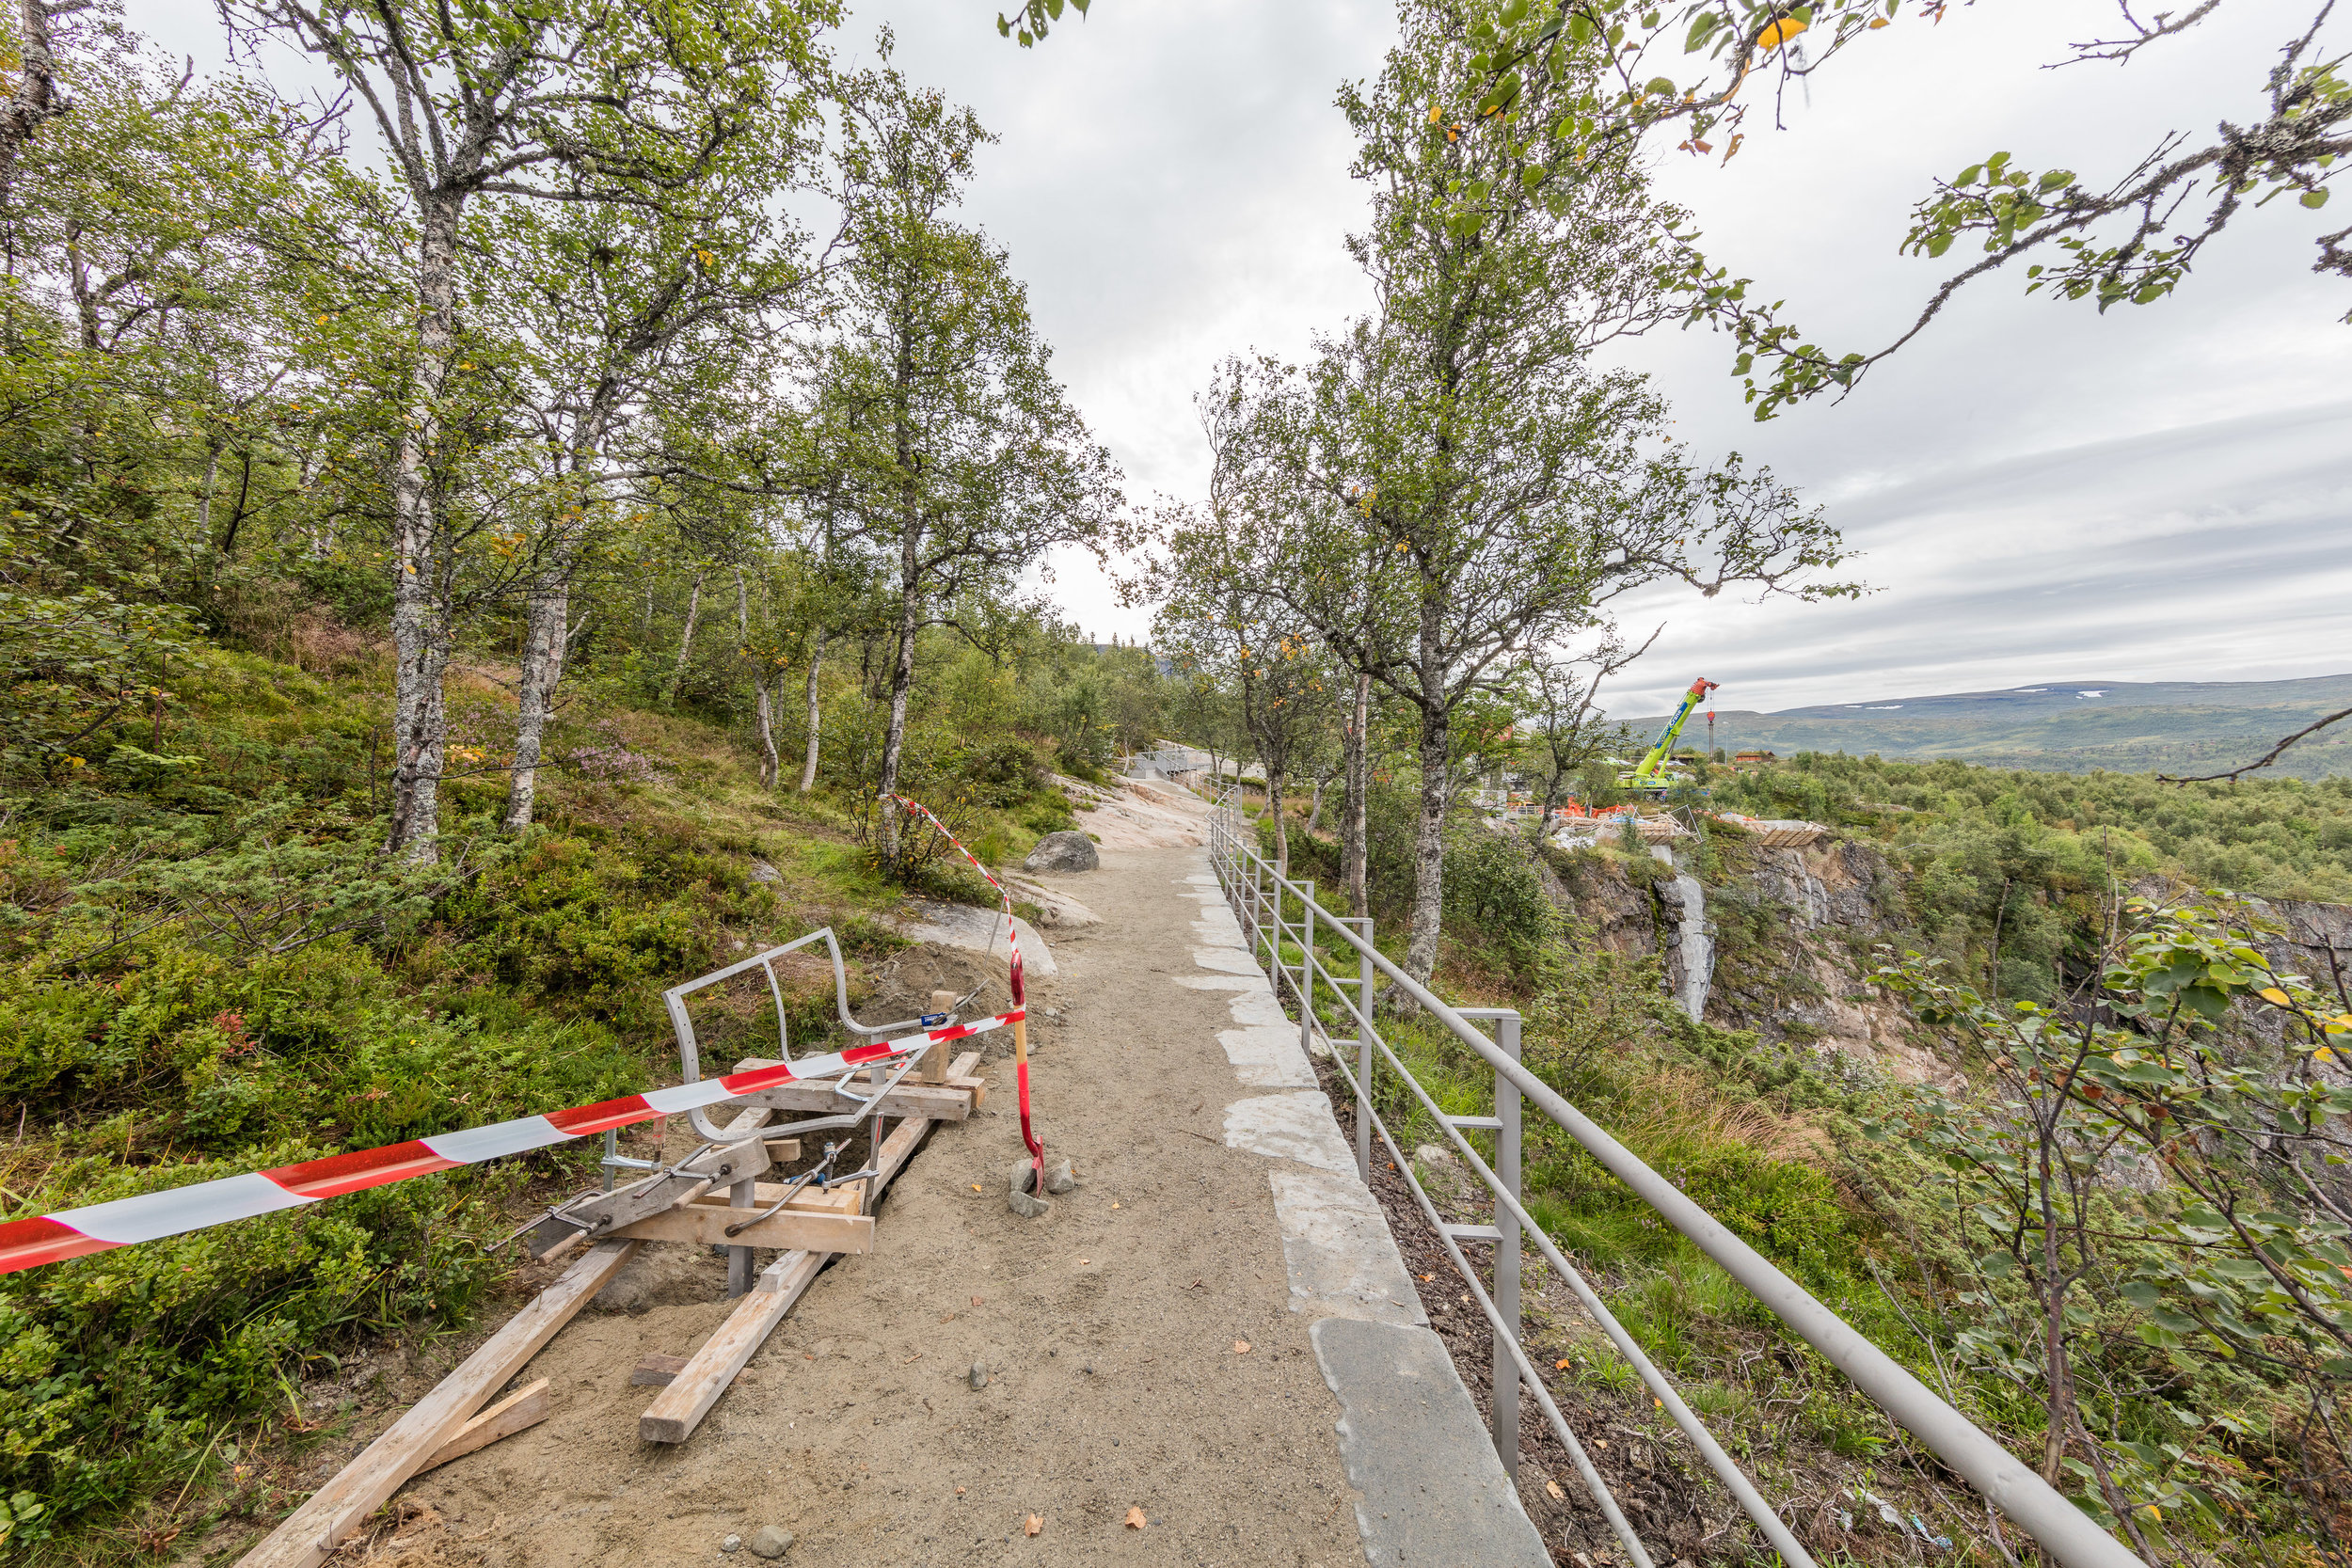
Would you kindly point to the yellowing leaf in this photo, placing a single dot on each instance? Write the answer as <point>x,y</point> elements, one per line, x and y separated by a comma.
<point>1876,22</point>
<point>1779,33</point>
<point>2272,994</point>
<point>1435,113</point>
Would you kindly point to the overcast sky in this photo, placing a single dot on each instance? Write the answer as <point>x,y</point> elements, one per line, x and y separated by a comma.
<point>2040,493</point>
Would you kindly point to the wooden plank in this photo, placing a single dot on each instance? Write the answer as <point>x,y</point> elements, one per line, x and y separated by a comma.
<point>656,1371</point>
<point>808,1200</point>
<point>783,1151</point>
<point>934,1066</point>
<point>526,1407</point>
<point>688,1395</point>
<point>705,1225</point>
<point>934,1103</point>
<point>679,1409</point>
<point>311,1533</point>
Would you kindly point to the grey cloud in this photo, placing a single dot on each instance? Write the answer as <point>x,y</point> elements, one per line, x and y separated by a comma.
<point>2043,492</point>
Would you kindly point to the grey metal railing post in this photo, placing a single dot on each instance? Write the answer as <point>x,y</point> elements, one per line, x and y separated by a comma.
<point>1245,886</point>
<point>1270,919</point>
<point>1363,1057</point>
<point>1505,1411</point>
<point>1306,968</point>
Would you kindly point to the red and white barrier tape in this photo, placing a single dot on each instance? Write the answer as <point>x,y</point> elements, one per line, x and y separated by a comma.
<point>1020,995</point>
<point>53,1238</point>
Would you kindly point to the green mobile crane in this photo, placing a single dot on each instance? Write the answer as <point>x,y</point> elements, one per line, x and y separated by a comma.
<point>1647,776</point>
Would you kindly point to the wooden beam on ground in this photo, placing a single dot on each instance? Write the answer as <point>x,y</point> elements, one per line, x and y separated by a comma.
<point>526,1407</point>
<point>311,1531</point>
<point>679,1409</point>
<point>694,1387</point>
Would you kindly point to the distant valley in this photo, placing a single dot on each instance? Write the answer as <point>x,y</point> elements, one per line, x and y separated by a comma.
<point>2062,726</point>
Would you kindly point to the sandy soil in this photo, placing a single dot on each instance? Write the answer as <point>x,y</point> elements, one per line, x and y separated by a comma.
<point>1109,1332</point>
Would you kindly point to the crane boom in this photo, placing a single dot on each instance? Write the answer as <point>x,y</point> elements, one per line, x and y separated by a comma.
<point>1659,752</point>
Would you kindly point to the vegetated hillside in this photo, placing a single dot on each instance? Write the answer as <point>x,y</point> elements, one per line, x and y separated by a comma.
<point>208,967</point>
<point>1872,1154</point>
<point>1967,830</point>
<point>2147,726</point>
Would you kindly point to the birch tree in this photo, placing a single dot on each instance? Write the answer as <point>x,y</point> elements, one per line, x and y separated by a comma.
<point>949,445</point>
<point>574,101</point>
<point>639,319</point>
<point>1571,732</point>
<point>1461,438</point>
<point>1221,619</point>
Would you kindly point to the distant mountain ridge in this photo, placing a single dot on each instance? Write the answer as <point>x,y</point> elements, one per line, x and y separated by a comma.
<point>2072,726</point>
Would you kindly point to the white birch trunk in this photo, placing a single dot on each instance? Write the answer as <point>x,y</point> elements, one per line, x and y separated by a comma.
<point>420,630</point>
<point>768,766</point>
<point>685,641</point>
<point>546,640</point>
<point>1355,817</point>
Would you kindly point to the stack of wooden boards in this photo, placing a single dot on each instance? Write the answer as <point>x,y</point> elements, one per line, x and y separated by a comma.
<point>813,1228</point>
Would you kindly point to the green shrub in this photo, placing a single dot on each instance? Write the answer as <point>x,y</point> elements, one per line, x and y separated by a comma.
<point>1003,773</point>
<point>1495,899</point>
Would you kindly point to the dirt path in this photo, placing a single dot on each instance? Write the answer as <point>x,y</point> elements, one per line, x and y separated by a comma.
<point>1110,1334</point>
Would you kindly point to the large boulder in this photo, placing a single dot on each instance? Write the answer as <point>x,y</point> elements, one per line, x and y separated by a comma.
<point>1063,852</point>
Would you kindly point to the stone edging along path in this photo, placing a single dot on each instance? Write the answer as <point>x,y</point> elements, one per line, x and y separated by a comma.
<point>1427,1486</point>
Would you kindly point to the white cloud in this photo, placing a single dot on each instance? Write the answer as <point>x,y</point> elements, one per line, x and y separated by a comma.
<point>2041,491</point>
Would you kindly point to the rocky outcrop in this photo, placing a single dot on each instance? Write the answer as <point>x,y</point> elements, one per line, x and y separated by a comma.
<point>1792,930</point>
<point>1063,852</point>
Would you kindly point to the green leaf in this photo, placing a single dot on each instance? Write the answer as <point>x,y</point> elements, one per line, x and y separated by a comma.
<point>2314,199</point>
<point>2057,177</point>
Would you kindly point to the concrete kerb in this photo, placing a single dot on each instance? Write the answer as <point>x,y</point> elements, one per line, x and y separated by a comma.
<point>1427,1485</point>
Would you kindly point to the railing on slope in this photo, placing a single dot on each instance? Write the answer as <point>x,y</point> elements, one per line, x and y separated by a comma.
<point>1264,900</point>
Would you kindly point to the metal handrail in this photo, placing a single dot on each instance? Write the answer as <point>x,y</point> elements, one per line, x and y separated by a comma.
<point>2034,1505</point>
<point>689,1051</point>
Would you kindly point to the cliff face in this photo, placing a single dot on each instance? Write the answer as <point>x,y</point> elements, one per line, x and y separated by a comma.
<point>1792,932</point>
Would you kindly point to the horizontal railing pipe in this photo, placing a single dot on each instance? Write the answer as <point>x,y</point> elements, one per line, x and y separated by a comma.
<point>1661,1388</point>
<point>2037,1507</point>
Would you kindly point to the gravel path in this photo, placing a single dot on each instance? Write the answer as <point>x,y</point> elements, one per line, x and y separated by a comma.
<point>1136,1344</point>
